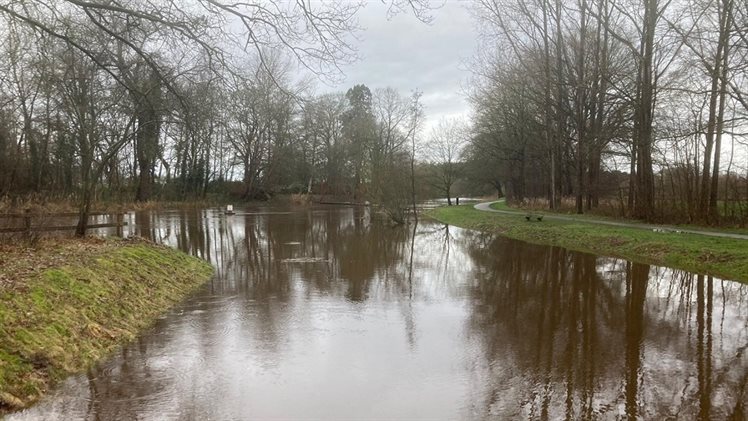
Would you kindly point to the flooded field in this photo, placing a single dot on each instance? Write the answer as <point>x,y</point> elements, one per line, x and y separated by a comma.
<point>322,313</point>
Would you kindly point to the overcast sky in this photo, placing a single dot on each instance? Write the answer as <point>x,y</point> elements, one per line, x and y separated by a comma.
<point>406,54</point>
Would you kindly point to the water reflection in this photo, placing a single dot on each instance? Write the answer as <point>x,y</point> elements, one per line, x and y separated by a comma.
<point>574,336</point>
<point>322,313</point>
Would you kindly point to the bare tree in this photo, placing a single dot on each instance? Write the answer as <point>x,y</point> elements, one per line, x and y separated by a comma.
<point>257,105</point>
<point>392,115</point>
<point>98,126</point>
<point>444,151</point>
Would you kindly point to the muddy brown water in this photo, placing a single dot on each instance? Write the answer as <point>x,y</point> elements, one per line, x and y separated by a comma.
<point>323,314</point>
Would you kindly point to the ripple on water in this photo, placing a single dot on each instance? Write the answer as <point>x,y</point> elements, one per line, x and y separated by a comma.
<point>201,304</point>
<point>211,329</point>
<point>214,299</point>
<point>467,338</point>
<point>108,370</point>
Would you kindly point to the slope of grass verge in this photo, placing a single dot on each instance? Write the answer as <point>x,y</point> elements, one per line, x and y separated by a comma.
<point>721,257</point>
<point>66,304</point>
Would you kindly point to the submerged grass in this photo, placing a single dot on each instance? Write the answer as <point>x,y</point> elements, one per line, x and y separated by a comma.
<point>723,257</point>
<point>58,318</point>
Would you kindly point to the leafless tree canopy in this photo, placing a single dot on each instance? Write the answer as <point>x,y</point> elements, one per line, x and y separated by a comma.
<point>172,99</point>
<point>630,107</point>
<point>629,102</point>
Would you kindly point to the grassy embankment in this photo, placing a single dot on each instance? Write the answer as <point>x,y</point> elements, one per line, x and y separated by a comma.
<point>722,257</point>
<point>65,304</point>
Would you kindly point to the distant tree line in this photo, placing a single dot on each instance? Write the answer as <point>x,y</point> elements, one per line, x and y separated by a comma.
<point>640,104</point>
<point>261,130</point>
<point>158,100</point>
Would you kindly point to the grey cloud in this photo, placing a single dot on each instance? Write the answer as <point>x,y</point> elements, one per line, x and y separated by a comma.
<point>407,54</point>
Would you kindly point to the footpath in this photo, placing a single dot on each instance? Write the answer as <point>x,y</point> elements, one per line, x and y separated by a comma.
<point>486,206</point>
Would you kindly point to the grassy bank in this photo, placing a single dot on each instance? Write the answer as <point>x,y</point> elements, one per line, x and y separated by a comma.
<point>721,257</point>
<point>65,304</point>
<point>503,206</point>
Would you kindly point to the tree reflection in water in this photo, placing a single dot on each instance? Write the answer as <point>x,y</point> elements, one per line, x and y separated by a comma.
<point>575,336</point>
<point>321,312</point>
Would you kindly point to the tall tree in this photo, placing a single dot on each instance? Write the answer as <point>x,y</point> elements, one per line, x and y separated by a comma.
<point>444,153</point>
<point>359,128</point>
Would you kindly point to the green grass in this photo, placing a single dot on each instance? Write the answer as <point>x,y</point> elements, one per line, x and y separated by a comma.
<point>60,320</point>
<point>585,216</point>
<point>502,205</point>
<point>721,257</point>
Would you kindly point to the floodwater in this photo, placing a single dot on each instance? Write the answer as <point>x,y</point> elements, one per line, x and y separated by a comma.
<point>324,314</point>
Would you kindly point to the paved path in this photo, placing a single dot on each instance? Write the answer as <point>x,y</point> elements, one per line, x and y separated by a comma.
<point>486,206</point>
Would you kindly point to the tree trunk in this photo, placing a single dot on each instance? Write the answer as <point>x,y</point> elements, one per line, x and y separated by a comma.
<point>632,178</point>
<point>644,203</point>
<point>146,142</point>
<point>581,99</point>
<point>548,107</point>
<point>601,87</point>
<point>560,95</point>
<point>721,70</point>
<point>83,211</point>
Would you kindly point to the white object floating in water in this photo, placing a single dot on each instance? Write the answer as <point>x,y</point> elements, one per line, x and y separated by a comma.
<point>305,260</point>
<point>229,209</point>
